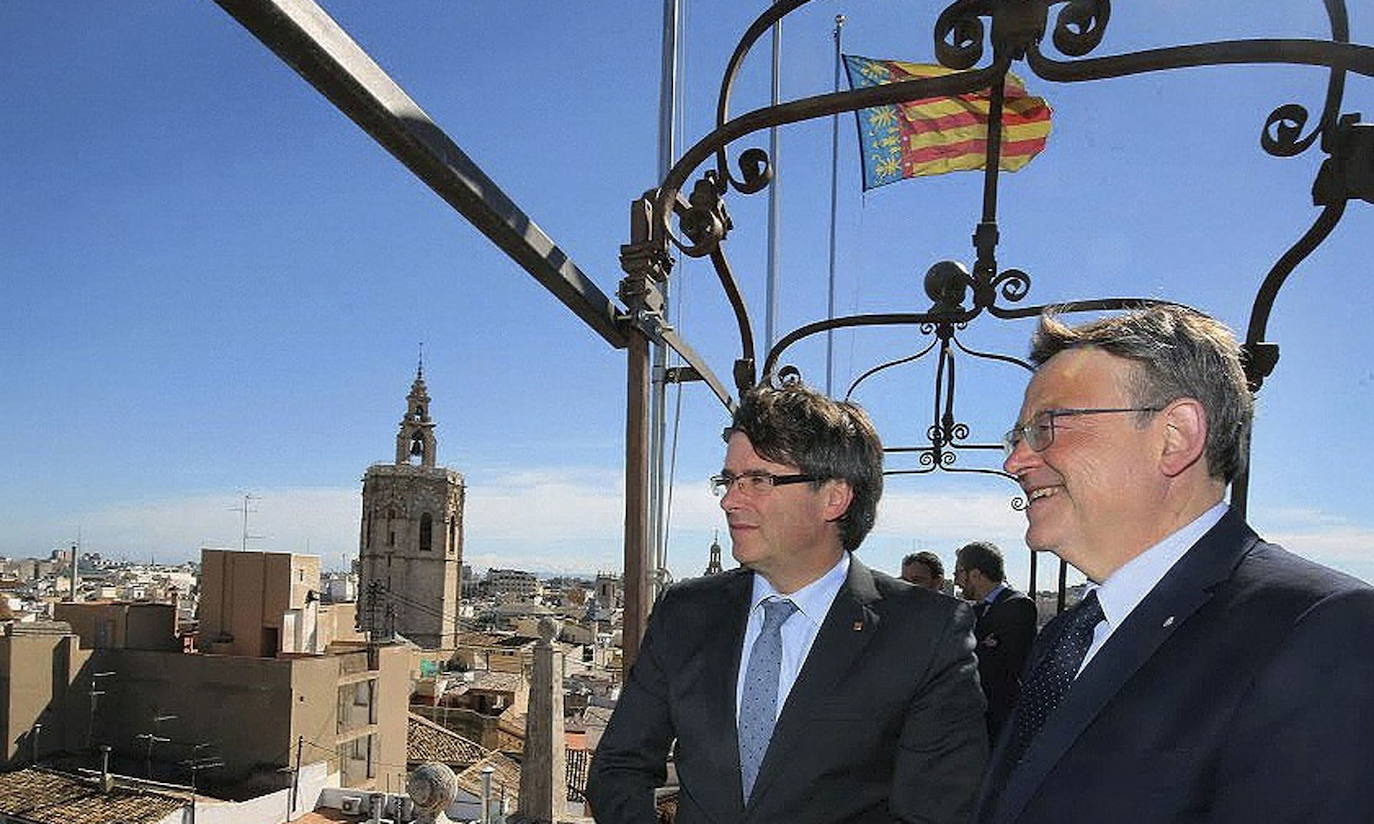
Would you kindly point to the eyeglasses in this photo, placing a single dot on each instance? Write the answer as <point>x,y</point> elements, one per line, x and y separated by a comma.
<point>754,483</point>
<point>1039,433</point>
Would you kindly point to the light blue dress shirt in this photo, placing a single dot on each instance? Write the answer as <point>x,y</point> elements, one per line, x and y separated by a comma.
<point>1129,585</point>
<point>799,633</point>
<point>991,597</point>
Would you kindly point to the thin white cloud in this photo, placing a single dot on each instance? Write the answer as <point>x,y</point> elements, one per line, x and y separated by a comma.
<point>572,520</point>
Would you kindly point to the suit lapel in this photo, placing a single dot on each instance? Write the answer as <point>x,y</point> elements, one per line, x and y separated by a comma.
<point>719,675</point>
<point>1180,593</point>
<point>848,627</point>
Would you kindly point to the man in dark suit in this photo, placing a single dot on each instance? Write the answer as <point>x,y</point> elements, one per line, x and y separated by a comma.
<point>1005,628</point>
<point>803,687</point>
<point>1211,677</point>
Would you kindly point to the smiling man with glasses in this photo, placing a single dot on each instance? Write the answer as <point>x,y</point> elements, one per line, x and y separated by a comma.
<point>803,686</point>
<point>1210,677</point>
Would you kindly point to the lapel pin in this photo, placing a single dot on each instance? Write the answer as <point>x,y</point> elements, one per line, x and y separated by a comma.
<point>858,626</point>
<point>1169,622</point>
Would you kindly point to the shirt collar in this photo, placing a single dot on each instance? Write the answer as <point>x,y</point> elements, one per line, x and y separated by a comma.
<point>812,600</point>
<point>991,597</point>
<point>1129,585</point>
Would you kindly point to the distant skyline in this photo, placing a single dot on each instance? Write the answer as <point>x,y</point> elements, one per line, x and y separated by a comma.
<point>212,283</point>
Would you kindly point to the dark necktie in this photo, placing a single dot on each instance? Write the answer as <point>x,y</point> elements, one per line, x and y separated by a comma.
<point>758,709</point>
<point>1047,685</point>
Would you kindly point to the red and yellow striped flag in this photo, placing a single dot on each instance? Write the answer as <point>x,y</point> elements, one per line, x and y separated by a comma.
<point>941,134</point>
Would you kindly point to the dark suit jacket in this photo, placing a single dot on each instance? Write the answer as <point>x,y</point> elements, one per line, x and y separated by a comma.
<point>884,722</point>
<point>1004,633</point>
<point>1239,691</point>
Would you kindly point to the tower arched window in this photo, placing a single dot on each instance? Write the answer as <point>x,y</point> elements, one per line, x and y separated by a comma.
<point>452,534</point>
<point>426,532</point>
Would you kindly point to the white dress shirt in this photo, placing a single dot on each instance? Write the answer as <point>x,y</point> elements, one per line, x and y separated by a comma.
<point>1129,585</point>
<point>798,632</point>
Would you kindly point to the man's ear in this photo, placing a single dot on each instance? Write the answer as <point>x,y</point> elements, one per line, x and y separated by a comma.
<point>1185,436</point>
<point>838,496</point>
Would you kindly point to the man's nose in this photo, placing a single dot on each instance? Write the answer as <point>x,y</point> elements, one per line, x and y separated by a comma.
<point>1022,457</point>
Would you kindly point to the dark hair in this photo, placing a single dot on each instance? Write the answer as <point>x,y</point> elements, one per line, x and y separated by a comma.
<point>927,559</point>
<point>832,440</point>
<point>1178,353</point>
<point>984,557</point>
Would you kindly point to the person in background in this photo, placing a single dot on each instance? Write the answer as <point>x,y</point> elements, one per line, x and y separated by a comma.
<point>924,569</point>
<point>1005,628</point>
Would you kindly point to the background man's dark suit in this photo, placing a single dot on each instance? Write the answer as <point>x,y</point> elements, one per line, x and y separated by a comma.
<point>1004,633</point>
<point>1240,690</point>
<point>884,720</point>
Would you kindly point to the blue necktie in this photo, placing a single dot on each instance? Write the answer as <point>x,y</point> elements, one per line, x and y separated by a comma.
<point>758,707</point>
<point>1047,685</point>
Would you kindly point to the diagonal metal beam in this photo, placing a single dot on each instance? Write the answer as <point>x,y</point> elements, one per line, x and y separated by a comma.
<point>309,41</point>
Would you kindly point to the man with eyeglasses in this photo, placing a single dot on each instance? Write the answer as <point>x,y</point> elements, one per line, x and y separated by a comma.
<point>1210,676</point>
<point>803,686</point>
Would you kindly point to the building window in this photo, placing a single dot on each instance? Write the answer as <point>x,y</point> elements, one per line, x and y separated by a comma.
<point>452,534</point>
<point>391,537</point>
<point>426,532</point>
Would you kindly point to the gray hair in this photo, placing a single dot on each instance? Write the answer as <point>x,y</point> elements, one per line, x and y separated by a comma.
<point>1178,353</point>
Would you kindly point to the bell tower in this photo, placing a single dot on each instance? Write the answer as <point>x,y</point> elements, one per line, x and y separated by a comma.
<point>411,536</point>
<point>415,442</point>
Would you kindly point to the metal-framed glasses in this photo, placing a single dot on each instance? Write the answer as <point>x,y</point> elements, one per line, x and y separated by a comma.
<point>754,483</point>
<point>1039,433</point>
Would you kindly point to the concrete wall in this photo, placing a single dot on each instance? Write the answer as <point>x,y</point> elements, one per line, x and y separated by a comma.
<point>37,677</point>
<point>245,594</point>
<point>241,706</point>
<point>120,624</point>
<point>393,698</point>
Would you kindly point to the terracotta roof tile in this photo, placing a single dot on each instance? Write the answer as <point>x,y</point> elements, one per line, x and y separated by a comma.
<point>506,775</point>
<point>53,797</point>
<point>428,741</point>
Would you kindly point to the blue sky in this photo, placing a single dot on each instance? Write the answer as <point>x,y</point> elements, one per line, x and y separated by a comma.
<point>211,282</point>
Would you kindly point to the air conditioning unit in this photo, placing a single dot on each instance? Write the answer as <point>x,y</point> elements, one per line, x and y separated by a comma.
<point>353,804</point>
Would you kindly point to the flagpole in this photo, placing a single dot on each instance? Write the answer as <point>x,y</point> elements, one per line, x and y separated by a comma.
<point>834,189</point>
<point>658,422</point>
<point>774,206</point>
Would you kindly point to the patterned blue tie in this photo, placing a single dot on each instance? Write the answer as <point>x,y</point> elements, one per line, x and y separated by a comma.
<point>1046,686</point>
<point>758,709</point>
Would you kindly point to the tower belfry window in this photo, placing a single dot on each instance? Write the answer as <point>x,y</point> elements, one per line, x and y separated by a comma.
<point>426,532</point>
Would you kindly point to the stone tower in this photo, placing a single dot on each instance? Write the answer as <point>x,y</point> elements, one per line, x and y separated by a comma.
<point>713,565</point>
<point>411,541</point>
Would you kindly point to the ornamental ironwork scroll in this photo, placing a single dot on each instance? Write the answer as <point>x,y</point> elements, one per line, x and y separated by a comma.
<point>1012,31</point>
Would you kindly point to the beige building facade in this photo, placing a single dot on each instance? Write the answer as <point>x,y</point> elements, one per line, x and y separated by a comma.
<point>41,664</point>
<point>121,624</point>
<point>259,604</point>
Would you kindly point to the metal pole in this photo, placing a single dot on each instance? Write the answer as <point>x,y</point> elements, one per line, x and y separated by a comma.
<point>774,206</point>
<point>636,501</point>
<point>486,793</point>
<point>658,423</point>
<point>1063,582</point>
<point>834,199</point>
<point>296,774</point>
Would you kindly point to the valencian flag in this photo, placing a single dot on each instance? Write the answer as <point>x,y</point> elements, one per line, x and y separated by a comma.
<point>940,134</point>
